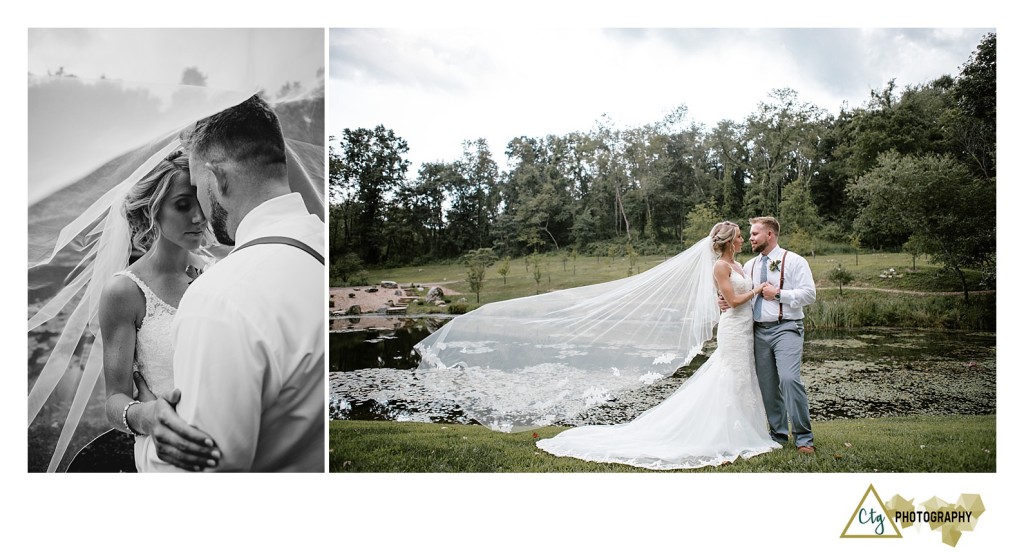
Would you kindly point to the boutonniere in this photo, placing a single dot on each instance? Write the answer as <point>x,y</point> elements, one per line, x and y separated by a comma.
<point>193,272</point>
<point>774,265</point>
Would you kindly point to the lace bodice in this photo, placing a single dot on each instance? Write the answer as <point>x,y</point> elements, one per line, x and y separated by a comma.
<point>154,351</point>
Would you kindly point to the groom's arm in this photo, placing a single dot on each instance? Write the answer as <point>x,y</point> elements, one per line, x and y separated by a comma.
<point>800,290</point>
<point>219,372</point>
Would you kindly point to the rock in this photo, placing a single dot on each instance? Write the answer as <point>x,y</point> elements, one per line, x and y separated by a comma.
<point>354,309</point>
<point>435,294</point>
<point>439,303</point>
<point>351,295</point>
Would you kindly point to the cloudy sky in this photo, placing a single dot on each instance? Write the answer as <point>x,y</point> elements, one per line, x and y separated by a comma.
<point>232,59</point>
<point>75,125</point>
<point>438,87</point>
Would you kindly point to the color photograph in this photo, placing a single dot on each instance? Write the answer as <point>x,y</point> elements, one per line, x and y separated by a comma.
<point>643,250</point>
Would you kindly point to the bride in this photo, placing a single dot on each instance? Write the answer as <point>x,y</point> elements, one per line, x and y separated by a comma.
<point>558,358</point>
<point>716,416</point>
<point>137,307</point>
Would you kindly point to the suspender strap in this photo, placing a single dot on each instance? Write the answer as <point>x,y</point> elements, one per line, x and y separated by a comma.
<point>283,241</point>
<point>782,280</point>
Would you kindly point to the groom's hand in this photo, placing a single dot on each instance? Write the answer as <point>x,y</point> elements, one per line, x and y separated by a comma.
<point>722,304</point>
<point>177,443</point>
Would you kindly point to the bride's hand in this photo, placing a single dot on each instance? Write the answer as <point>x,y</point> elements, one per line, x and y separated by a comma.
<point>177,442</point>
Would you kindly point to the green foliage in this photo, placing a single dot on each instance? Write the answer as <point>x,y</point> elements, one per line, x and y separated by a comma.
<point>915,247</point>
<point>797,208</point>
<point>700,221</point>
<point>476,262</point>
<point>662,184</point>
<point>459,308</point>
<point>858,309</point>
<point>368,166</point>
<point>840,276</point>
<point>348,270</point>
<point>503,269</point>
<point>800,241</point>
<point>904,190</point>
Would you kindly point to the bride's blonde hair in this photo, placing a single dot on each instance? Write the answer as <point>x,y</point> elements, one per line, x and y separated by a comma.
<point>722,236</point>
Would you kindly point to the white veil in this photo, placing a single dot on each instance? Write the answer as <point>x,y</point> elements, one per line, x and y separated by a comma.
<point>539,360</point>
<point>78,236</point>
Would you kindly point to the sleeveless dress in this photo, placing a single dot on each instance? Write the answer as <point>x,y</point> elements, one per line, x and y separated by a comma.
<point>715,417</point>
<point>154,350</point>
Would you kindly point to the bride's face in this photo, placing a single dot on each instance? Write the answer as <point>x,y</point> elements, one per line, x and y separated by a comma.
<point>737,242</point>
<point>180,218</point>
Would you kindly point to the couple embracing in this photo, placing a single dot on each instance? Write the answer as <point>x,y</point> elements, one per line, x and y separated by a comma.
<point>219,366</point>
<point>748,398</point>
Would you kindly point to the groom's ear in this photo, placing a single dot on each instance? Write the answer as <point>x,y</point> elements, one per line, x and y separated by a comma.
<point>219,175</point>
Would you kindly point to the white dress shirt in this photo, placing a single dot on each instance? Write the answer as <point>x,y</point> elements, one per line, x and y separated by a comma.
<point>249,347</point>
<point>798,291</point>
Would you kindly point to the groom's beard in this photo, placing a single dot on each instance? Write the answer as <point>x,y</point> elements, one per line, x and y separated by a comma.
<point>219,221</point>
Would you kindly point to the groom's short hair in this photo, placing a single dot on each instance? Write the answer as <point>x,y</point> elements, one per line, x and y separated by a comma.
<point>767,222</point>
<point>248,133</point>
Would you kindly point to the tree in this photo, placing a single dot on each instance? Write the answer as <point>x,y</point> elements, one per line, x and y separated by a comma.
<point>797,209</point>
<point>936,197</point>
<point>504,268</point>
<point>972,125</point>
<point>840,276</point>
<point>914,247</point>
<point>472,196</point>
<point>371,166</point>
<point>537,273</point>
<point>476,262</point>
<point>193,77</point>
<point>699,222</point>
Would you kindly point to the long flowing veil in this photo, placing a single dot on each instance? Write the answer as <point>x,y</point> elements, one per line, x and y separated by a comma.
<point>538,360</point>
<point>90,140</point>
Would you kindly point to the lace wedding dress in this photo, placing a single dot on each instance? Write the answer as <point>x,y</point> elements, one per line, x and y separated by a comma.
<point>154,350</point>
<point>715,417</point>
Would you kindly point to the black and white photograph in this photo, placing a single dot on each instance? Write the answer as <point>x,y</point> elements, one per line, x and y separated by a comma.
<point>176,250</point>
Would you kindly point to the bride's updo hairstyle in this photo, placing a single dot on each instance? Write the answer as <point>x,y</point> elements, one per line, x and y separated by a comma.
<point>722,236</point>
<point>147,196</point>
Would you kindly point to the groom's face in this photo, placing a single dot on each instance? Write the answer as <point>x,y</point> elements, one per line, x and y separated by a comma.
<point>758,237</point>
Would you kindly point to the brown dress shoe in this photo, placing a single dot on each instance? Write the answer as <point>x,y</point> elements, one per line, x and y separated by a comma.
<point>805,450</point>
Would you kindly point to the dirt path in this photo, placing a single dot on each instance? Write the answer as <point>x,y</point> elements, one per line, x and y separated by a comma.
<point>910,291</point>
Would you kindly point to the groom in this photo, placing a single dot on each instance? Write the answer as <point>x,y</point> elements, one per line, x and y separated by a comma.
<point>249,334</point>
<point>779,332</point>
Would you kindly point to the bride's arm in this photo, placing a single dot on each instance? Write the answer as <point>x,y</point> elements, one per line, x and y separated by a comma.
<point>121,306</point>
<point>121,309</point>
<point>722,271</point>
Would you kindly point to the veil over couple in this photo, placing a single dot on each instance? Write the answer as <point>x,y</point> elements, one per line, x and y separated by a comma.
<point>538,361</point>
<point>216,365</point>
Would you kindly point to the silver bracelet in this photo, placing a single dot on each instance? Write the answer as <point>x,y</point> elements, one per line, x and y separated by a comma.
<point>124,417</point>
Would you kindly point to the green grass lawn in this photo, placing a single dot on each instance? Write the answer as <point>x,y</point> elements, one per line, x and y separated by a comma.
<point>556,274</point>
<point>934,301</point>
<point>905,445</point>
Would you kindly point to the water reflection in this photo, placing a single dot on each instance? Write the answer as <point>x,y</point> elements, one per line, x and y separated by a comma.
<point>848,374</point>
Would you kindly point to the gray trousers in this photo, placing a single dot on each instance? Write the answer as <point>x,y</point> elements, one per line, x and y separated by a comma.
<point>778,350</point>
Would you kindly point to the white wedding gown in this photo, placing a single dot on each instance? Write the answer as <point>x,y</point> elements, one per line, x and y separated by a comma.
<point>715,417</point>
<point>154,350</point>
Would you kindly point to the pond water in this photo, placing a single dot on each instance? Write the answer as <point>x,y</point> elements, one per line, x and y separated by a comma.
<point>864,373</point>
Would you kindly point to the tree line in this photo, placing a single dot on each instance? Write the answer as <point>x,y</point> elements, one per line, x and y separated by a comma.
<point>910,168</point>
